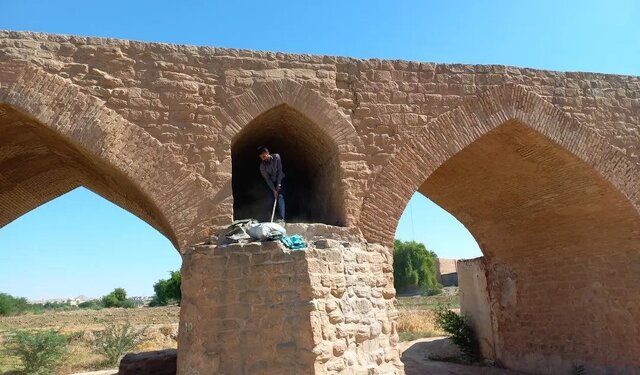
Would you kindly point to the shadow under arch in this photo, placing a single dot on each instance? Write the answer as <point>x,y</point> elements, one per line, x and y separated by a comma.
<point>310,163</point>
<point>554,209</point>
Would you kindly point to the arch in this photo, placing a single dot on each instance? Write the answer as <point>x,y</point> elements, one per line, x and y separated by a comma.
<point>422,152</point>
<point>555,211</point>
<point>242,109</point>
<point>314,192</point>
<point>60,138</point>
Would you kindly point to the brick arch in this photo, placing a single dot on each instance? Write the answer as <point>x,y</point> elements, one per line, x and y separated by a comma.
<point>423,152</point>
<point>87,144</point>
<point>289,96</point>
<point>242,109</point>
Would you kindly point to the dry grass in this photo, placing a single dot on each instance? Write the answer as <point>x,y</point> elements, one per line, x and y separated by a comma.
<point>81,325</point>
<point>416,318</point>
<point>413,324</point>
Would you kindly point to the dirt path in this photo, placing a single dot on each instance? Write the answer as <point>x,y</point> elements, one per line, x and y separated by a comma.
<point>415,357</point>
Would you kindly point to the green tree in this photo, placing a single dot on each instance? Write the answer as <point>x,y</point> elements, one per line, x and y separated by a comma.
<point>414,266</point>
<point>10,305</point>
<point>117,298</point>
<point>167,291</point>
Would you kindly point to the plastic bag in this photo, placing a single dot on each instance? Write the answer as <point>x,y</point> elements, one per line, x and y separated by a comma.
<point>266,231</point>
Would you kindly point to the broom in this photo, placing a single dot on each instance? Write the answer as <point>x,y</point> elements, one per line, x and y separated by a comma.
<point>273,211</point>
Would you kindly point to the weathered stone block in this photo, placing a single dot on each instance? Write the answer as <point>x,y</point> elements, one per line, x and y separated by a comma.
<point>161,362</point>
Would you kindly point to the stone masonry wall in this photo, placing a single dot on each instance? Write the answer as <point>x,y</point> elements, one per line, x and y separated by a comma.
<point>259,308</point>
<point>182,96</point>
<point>485,293</point>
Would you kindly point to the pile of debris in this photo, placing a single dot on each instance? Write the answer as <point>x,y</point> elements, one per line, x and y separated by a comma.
<point>250,230</point>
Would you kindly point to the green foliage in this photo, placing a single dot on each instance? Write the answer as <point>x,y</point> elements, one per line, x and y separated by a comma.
<point>432,291</point>
<point>460,332</point>
<point>10,305</point>
<point>413,266</point>
<point>93,304</point>
<point>41,352</point>
<point>167,292</point>
<point>116,340</point>
<point>117,298</point>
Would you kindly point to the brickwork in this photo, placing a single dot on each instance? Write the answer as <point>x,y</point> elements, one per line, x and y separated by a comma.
<point>542,167</point>
<point>262,309</point>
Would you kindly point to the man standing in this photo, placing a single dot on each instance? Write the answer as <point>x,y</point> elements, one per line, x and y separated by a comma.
<point>271,170</point>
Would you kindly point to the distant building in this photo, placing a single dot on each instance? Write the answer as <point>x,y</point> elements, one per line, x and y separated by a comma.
<point>71,301</point>
<point>447,272</point>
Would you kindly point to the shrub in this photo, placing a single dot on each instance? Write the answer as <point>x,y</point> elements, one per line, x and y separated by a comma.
<point>432,291</point>
<point>116,340</point>
<point>117,298</point>
<point>10,305</point>
<point>414,266</point>
<point>167,292</point>
<point>93,304</point>
<point>459,330</point>
<point>41,352</point>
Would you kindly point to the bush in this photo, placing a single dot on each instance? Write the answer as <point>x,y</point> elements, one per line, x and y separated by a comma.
<point>461,333</point>
<point>167,292</point>
<point>414,266</point>
<point>41,352</point>
<point>117,298</point>
<point>10,305</point>
<point>93,304</point>
<point>116,340</point>
<point>432,291</point>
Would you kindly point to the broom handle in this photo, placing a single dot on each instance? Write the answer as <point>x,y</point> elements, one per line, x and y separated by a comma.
<point>273,211</point>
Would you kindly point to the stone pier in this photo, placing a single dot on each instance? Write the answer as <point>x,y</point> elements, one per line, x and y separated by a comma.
<point>259,308</point>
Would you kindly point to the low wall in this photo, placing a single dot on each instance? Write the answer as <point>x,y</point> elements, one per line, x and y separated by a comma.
<point>260,308</point>
<point>475,303</point>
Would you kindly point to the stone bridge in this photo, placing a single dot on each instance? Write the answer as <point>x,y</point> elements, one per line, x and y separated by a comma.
<point>542,167</point>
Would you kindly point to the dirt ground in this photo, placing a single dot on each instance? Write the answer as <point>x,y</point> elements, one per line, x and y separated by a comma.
<point>91,319</point>
<point>415,356</point>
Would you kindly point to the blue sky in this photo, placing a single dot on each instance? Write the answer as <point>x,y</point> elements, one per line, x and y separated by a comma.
<point>82,244</point>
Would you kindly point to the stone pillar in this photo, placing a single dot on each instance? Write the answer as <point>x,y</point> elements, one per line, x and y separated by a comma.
<point>260,308</point>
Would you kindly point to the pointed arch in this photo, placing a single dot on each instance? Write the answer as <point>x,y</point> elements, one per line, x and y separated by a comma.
<point>87,144</point>
<point>422,152</point>
<point>313,112</point>
<point>242,109</point>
